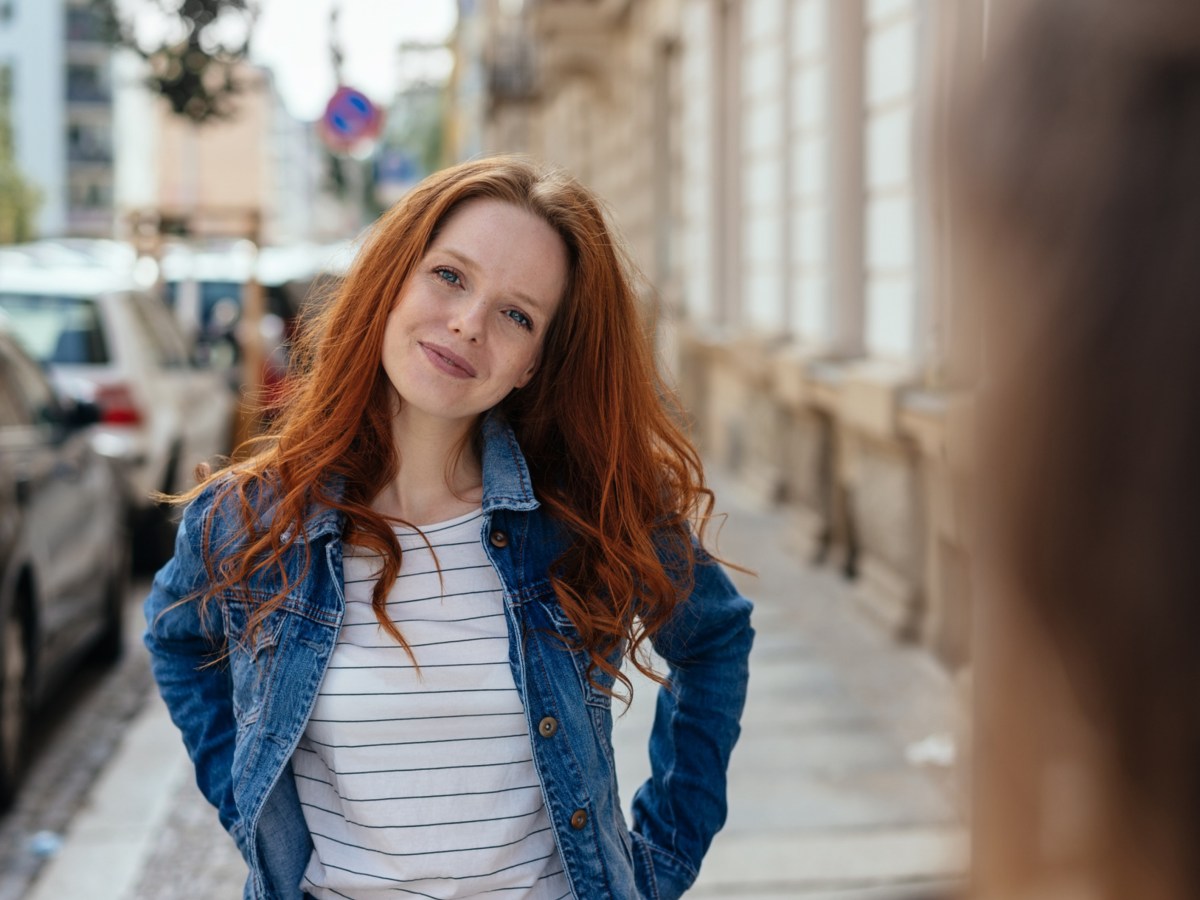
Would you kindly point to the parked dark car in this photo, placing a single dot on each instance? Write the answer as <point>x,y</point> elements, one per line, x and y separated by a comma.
<point>64,549</point>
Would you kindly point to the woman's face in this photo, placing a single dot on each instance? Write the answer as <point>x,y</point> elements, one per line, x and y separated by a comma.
<point>469,324</point>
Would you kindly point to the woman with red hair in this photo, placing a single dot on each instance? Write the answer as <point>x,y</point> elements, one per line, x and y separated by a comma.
<point>390,636</point>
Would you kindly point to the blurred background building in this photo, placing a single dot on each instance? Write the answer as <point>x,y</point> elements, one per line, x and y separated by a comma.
<point>99,146</point>
<point>763,158</point>
<point>56,74</point>
<point>263,161</point>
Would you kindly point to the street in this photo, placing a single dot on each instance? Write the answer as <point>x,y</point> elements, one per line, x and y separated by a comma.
<point>844,785</point>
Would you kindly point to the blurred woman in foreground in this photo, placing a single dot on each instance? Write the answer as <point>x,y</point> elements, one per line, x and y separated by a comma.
<point>1077,172</point>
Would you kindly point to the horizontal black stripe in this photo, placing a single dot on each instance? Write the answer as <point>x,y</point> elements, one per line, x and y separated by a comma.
<point>497,592</point>
<point>435,852</point>
<point>444,570</point>
<point>408,621</point>
<point>439,597</point>
<point>442,596</point>
<point>441,571</point>
<point>440,878</point>
<point>437,526</point>
<point>532,812</point>
<point>490,637</point>
<point>529,887</point>
<point>515,712</point>
<point>486,737</point>
<point>514,762</point>
<point>419,547</point>
<point>466,665</point>
<point>415,693</point>
<point>388,879</point>
<point>345,799</point>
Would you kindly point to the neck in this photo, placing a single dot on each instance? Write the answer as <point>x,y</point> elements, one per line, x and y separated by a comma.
<point>440,475</point>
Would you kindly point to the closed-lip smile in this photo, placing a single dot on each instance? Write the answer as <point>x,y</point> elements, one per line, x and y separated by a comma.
<point>451,362</point>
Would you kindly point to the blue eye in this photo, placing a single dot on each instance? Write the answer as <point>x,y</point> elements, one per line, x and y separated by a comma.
<point>448,275</point>
<point>520,318</point>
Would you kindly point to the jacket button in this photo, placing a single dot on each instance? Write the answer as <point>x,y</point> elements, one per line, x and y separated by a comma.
<point>578,819</point>
<point>499,539</point>
<point>548,727</point>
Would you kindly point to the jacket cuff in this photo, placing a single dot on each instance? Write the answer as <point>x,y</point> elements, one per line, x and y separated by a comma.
<point>660,875</point>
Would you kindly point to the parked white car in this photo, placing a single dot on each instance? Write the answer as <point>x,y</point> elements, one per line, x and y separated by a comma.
<point>103,336</point>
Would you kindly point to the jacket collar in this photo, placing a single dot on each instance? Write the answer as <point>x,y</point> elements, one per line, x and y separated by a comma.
<point>506,483</point>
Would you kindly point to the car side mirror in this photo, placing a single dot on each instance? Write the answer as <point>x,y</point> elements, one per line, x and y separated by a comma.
<point>81,413</point>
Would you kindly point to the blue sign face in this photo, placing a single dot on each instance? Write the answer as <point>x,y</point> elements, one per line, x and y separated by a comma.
<point>350,116</point>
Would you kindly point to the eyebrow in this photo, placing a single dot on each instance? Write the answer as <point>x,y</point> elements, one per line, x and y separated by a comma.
<point>471,264</point>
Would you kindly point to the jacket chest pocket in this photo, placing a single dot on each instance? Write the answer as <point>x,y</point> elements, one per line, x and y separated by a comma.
<point>251,657</point>
<point>596,687</point>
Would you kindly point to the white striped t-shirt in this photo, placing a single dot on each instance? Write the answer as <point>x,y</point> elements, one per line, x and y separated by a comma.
<point>423,785</point>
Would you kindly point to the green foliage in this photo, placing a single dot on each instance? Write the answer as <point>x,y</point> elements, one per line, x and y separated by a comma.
<point>196,73</point>
<point>19,200</point>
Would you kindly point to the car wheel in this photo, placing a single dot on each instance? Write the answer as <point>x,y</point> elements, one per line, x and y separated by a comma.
<point>154,538</point>
<point>14,701</point>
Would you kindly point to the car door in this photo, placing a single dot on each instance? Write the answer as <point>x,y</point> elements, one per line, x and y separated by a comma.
<point>67,526</point>
<point>12,416</point>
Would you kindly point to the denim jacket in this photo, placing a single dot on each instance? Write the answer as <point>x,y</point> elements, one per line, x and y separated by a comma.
<point>241,717</point>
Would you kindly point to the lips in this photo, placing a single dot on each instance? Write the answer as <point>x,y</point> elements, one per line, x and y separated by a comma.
<point>447,361</point>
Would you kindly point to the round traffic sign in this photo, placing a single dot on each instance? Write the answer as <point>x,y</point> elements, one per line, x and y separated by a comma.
<point>350,119</point>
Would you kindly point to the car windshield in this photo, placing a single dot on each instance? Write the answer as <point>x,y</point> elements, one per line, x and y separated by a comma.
<point>55,329</point>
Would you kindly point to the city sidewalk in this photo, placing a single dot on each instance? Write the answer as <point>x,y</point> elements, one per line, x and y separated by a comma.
<point>843,787</point>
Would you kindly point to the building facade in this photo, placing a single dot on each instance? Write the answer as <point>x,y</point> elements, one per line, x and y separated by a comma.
<point>770,162</point>
<point>59,75</point>
<point>259,173</point>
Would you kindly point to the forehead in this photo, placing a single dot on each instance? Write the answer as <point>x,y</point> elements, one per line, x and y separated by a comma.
<point>507,244</point>
<point>483,217</point>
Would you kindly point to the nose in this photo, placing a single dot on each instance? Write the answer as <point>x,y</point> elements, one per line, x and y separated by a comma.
<point>468,320</point>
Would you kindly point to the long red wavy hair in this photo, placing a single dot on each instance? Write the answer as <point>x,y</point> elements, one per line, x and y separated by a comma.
<point>599,430</point>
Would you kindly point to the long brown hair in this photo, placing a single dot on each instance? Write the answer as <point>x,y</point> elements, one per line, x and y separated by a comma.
<point>1077,165</point>
<point>596,424</point>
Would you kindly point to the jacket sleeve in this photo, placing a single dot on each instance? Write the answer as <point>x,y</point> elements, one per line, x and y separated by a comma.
<point>706,646</point>
<point>185,659</point>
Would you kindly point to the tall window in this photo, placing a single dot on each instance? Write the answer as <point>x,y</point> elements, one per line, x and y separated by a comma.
<point>697,145</point>
<point>890,251</point>
<point>808,89</point>
<point>764,201</point>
